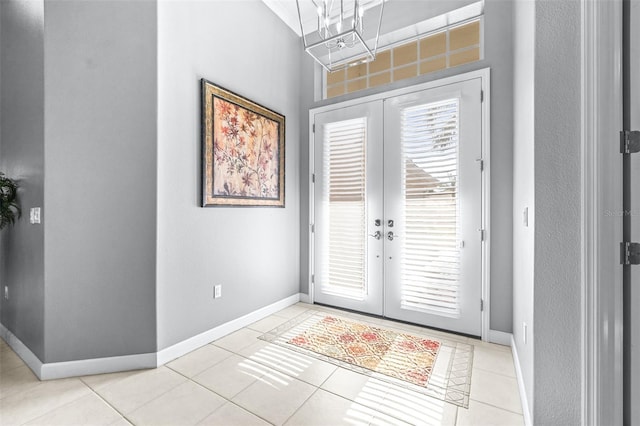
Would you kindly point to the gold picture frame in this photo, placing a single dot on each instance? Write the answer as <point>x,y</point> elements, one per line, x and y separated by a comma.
<point>243,151</point>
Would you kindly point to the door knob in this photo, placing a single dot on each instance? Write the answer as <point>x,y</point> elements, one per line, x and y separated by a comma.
<point>377,235</point>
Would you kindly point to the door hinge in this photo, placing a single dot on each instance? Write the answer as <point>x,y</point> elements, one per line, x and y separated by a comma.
<point>313,228</point>
<point>313,128</point>
<point>482,234</point>
<point>630,253</point>
<point>480,163</point>
<point>629,141</point>
<point>313,278</point>
<point>482,96</point>
<point>313,178</point>
<point>481,305</point>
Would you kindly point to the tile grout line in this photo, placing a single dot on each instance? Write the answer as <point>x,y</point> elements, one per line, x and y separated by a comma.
<point>495,406</point>
<point>494,372</point>
<point>227,400</point>
<point>53,409</point>
<point>124,416</point>
<point>300,406</point>
<point>113,406</point>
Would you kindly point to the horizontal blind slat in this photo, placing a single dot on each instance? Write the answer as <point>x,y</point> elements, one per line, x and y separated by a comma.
<point>430,265</point>
<point>344,156</point>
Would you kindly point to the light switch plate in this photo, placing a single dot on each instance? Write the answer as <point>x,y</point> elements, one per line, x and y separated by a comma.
<point>34,215</point>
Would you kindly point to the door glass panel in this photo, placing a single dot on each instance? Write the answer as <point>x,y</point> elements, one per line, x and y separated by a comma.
<point>344,162</point>
<point>430,265</point>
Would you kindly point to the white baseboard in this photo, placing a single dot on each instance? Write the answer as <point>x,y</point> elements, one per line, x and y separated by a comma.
<point>84,367</point>
<point>195,342</point>
<point>499,337</point>
<point>305,298</point>
<point>21,350</point>
<point>526,412</point>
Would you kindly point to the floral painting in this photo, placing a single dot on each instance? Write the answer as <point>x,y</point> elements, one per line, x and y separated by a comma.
<point>243,151</point>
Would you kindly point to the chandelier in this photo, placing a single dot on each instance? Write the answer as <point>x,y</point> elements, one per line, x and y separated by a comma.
<point>338,33</point>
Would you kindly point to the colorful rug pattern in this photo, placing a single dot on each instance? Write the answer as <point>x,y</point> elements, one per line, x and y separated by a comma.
<point>398,355</point>
<point>436,366</point>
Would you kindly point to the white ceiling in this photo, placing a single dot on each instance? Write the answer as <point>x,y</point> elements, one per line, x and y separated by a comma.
<point>287,11</point>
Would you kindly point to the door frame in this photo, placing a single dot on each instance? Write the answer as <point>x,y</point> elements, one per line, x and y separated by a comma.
<point>484,76</point>
<point>602,366</point>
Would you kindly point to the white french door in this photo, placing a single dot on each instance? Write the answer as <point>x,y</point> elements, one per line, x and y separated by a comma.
<point>433,195</point>
<point>348,201</point>
<point>398,209</point>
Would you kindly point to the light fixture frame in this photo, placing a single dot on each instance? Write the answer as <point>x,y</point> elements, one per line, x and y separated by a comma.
<point>367,54</point>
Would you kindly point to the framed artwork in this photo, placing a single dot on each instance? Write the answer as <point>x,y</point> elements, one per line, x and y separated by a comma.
<point>242,151</point>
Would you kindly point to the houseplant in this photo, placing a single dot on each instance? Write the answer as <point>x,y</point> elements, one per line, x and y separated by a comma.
<point>9,208</point>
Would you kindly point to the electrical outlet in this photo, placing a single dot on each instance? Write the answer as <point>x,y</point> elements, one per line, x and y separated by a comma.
<point>524,333</point>
<point>6,292</point>
<point>217,291</point>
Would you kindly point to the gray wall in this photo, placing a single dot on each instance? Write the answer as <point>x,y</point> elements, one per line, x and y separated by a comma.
<point>100,153</point>
<point>523,186</point>
<point>22,158</point>
<point>252,252</point>
<point>499,57</point>
<point>557,286</point>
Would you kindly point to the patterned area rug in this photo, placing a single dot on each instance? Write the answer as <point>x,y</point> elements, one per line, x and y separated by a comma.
<point>423,363</point>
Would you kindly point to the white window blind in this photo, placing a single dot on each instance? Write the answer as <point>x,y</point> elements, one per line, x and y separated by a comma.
<point>344,184</point>
<point>431,253</point>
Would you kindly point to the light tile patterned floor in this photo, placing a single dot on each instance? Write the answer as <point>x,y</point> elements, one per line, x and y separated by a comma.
<point>240,380</point>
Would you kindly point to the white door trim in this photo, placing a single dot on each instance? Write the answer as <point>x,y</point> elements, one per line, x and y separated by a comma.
<point>484,75</point>
<point>601,212</point>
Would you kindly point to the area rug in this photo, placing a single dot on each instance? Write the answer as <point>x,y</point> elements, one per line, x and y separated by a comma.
<point>431,365</point>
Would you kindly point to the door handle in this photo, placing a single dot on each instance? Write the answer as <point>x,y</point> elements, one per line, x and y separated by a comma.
<point>377,235</point>
<point>390,236</point>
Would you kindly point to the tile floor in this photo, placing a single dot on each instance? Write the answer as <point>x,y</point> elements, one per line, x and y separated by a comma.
<point>240,380</point>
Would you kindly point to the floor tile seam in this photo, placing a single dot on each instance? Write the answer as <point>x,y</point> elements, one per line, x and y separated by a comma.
<point>495,406</point>
<point>59,406</point>
<point>39,384</point>
<point>227,400</point>
<point>502,348</point>
<point>486,370</point>
<point>234,351</point>
<point>124,416</point>
<point>153,399</point>
<point>13,368</point>
<point>300,406</point>
<point>375,410</point>
<point>188,379</point>
<point>24,390</point>
<point>369,407</point>
<point>200,372</point>
<point>81,378</point>
<point>240,407</point>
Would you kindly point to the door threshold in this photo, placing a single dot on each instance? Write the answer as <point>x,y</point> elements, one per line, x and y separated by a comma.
<point>366,314</point>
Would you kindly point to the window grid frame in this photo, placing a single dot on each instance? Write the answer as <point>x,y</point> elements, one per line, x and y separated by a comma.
<point>344,84</point>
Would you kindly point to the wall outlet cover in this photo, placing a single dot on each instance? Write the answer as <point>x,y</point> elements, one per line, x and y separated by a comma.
<point>217,291</point>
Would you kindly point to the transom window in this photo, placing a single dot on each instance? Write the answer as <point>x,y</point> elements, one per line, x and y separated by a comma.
<point>445,48</point>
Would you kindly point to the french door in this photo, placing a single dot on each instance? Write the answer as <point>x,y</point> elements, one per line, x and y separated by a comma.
<point>398,212</point>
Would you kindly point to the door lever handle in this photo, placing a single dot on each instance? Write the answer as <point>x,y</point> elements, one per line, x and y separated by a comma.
<point>377,235</point>
<point>391,236</point>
